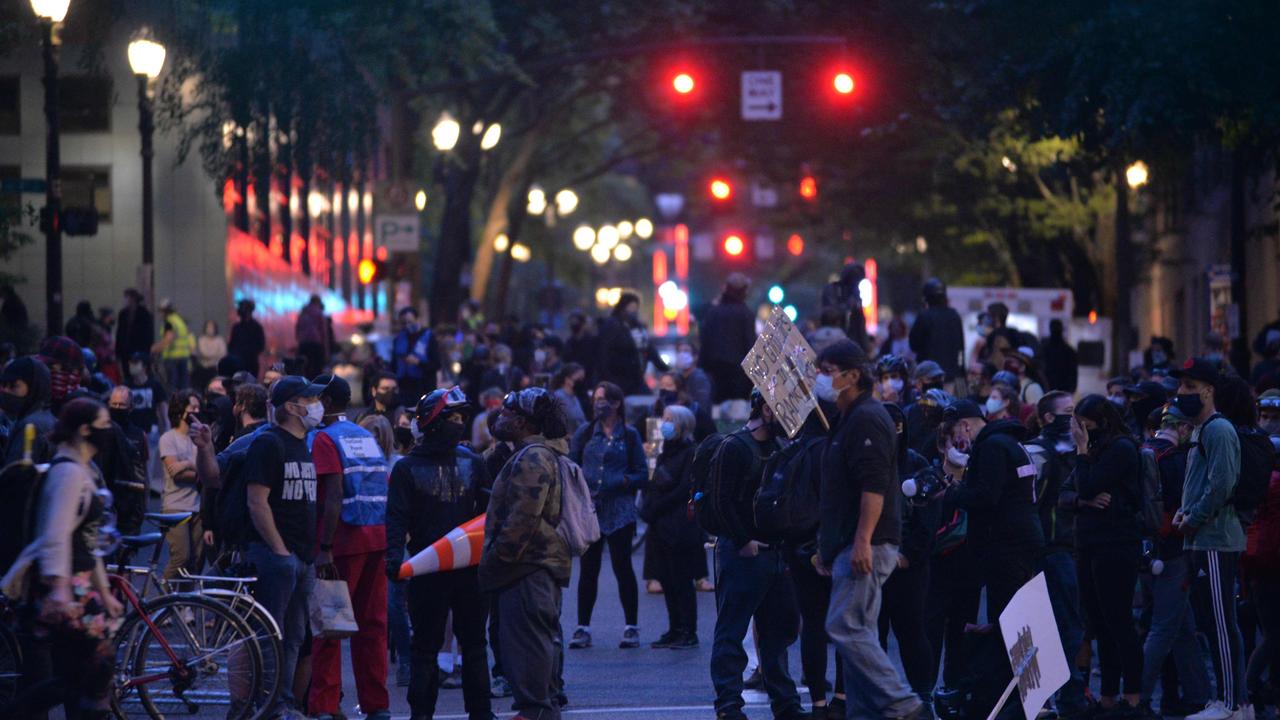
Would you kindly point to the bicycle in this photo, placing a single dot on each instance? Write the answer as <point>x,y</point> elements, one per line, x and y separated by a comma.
<point>179,653</point>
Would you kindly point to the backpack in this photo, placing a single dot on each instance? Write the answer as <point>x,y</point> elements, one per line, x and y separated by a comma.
<point>21,483</point>
<point>578,525</point>
<point>235,527</point>
<point>1257,460</point>
<point>786,504</point>
<point>1151,497</point>
<point>701,499</point>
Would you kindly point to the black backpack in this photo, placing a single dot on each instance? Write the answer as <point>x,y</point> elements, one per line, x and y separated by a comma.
<point>1257,460</point>
<point>235,527</point>
<point>786,503</point>
<point>707,477</point>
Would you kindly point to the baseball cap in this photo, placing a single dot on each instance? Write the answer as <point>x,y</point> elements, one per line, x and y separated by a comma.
<point>1148,388</point>
<point>928,370</point>
<point>1199,369</point>
<point>293,386</point>
<point>963,410</point>
<point>336,389</point>
<point>1270,399</point>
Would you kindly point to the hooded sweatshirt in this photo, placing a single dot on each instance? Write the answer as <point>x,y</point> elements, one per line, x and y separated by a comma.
<point>999,490</point>
<point>34,410</point>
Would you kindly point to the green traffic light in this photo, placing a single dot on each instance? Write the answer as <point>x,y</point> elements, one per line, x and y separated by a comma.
<point>776,294</point>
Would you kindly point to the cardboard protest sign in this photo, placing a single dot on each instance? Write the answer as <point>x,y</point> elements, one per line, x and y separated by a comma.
<point>1031,638</point>
<point>783,367</point>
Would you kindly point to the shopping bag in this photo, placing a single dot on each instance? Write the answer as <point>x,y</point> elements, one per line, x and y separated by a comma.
<point>332,616</point>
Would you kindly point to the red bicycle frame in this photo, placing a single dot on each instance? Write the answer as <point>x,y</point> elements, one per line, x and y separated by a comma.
<point>123,588</point>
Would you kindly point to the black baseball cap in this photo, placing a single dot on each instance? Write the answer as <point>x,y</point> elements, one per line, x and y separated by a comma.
<point>290,387</point>
<point>336,389</point>
<point>1148,388</point>
<point>963,410</point>
<point>1199,369</point>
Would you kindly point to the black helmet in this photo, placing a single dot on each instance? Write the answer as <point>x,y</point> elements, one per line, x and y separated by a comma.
<point>893,364</point>
<point>438,402</point>
<point>934,289</point>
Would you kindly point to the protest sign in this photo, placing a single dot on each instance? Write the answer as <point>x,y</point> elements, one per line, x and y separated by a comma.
<point>1035,648</point>
<point>783,367</point>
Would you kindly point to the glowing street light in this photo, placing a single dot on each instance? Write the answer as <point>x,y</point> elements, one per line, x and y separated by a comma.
<point>146,57</point>
<point>566,202</point>
<point>625,229</point>
<point>584,237</point>
<point>521,253</point>
<point>622,253</point>
<point>491,137</point>
<point>600,254</point>
<point>420,200</point>
<point>608,237</point>
<point>644,228</point>
<point>537,200</point>
<point>501,242</point>
<point>1137,175</point>
<point>445,134</point>
<point>51,10</point>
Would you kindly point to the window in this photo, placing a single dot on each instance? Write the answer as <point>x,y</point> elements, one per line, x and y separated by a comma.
<point>87,187</point>
<point>84,104</point>
<point>10,105</point>
<point>11,203</point>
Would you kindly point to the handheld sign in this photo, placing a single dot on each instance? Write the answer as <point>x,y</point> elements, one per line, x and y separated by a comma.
<point>783,367</point>
<point>1035,648</point>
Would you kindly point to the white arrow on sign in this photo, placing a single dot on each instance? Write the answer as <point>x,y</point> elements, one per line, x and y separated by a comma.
<point>762,95</point>
<point>398,233</point>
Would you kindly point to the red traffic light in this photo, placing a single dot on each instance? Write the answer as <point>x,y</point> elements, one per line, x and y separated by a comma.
<point>683,83</point>
<point>795,244</point>
<point>808,187</point>
<point>843,83</point>
<point>720,189</point>
<point>734,246</point>
<point>366,270</point>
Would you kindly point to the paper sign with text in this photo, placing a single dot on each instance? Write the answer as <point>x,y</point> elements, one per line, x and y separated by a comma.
<point>784,367</point>
<point>1028,622</point>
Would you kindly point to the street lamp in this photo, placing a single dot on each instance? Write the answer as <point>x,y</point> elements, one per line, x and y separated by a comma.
<point>1137,174</point>
<point>625,229</point>
<point>521,253</point>
<point>146,59</point>
<point>50,13</point>
<point>537,200</point>
<point>491,136</point>
<point>584,237</point>
<point>644,228</point>
<point>622,253</point>
<point>566,202</point>
<point>600,254</point>
<point>608,237</point>
<point>445,134</point>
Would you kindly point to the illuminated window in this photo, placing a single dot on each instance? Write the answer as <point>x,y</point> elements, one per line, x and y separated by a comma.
<point>88,187</point>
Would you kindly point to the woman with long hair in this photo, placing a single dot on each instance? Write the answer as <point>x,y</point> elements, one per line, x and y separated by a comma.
<point>210,348</point>
<point>1109,545</point>
<point>59,578</point>
<point>612,459</point>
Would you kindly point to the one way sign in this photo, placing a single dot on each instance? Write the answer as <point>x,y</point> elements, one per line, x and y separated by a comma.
<point>762,95</point>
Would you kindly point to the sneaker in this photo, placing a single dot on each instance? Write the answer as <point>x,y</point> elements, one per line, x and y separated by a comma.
<point>630,638</point>
<point>403,674</point>
<point>754,681</point>
<point>1215,710</point>
<point>664,640</point>
<point>452,681</point>
<point>796,714</point>
<point>684,641</point>
<point>500,688</point>
<point>653,587</point>
<point>581,639</point>
<point>1246,713</point>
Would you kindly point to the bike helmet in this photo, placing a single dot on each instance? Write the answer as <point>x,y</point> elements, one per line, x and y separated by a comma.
<point>893,364</point>
<point>438,402</point>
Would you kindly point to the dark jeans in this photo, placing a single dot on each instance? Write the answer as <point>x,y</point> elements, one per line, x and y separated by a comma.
<point>1108,575</point>
<point>1064,594</point>
<point>954,597</point>
<point>530,638</point>
<point>1173,637</point>
<point>1216,618</point>
<point>677,587</point>
<point>758,587</point>
<point>284,587</point>
<point>619,542</point>
<point>398,620</point>
<point>431,599</point>
<point>1005,570</point>
<point>813,592</point>
<point>903,609</point>
<point>1265,592</point>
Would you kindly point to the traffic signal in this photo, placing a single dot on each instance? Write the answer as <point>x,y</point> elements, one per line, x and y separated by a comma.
<point>683,83</point>
<point>720,188</point>
<point>809,187</point>
<point>795,244</point>
<point>370,271</point>
<point>843,83</point>
<point>734,245</point>
<point>776,294</point>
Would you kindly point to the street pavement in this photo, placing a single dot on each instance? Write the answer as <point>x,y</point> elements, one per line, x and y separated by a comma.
<point>607,682</point>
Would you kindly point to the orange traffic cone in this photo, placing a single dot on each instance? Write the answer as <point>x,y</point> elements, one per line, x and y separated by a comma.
<point>458,549</point>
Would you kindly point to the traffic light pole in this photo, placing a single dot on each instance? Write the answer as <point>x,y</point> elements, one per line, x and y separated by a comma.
<point>52,217</point>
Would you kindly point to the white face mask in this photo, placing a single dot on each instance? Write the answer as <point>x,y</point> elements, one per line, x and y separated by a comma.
<point>824,390</point>
<point>539,356</point>
<point>684,360</point>
<point>315,414</point>
<point>957,458</point>
<point>994,406</point>
<point>893,385</point>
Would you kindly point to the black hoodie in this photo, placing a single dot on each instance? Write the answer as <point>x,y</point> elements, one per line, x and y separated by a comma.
<point>34,411</point>
<point>999,490</point>
<point>432,490</point>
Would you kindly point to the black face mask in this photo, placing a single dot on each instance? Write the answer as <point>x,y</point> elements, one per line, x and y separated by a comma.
<point>386,399</point>
<point>119,416</point>
<point>668,397</point>
<point>11,404</point>
<point>444,433</point>
<point>101,438</point>
<point>1060,426</point>
<point>1191,404</point>
<point>604,411</point>
<point>931,386</point>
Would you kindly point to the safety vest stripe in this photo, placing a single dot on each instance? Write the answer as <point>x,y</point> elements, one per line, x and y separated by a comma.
<point>364,469</point>
<point>364,498</point>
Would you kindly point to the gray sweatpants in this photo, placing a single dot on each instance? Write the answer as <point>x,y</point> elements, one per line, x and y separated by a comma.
<point>530,643</point>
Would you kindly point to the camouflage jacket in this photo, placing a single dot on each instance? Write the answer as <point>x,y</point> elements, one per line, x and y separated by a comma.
<point>520,535</point>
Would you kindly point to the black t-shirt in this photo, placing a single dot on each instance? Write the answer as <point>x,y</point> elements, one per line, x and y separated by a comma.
<point>861,457</point>
<point>283,463</point>
<point>144,397</point>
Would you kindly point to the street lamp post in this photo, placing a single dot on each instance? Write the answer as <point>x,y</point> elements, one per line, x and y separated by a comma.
<point>146,58</point>
<point>52,12</point>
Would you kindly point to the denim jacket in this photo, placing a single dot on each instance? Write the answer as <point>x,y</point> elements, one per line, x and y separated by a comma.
<point>615,468</point>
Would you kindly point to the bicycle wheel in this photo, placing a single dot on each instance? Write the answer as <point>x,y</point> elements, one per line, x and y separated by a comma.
<point>10,666</point>
<point>267,634</point>
<point>186,656</point>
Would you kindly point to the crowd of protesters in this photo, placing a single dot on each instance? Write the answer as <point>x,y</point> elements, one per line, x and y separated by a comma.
<point>929,485</point>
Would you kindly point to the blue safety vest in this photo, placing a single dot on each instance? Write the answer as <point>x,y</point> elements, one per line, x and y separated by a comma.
<point>364,473</point>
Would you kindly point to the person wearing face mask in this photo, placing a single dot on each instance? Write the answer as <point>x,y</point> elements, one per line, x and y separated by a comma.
<point>938,332</point>
<point>892,381</point>
<point>1140,401</point>
<point>1173,628</point>
<point>728,332</point>
<point>565,385</point>
<point>217,468</point>
<point>1053,453</point>
<point>1002,403</point>
<point>1269,412</point>
<point>860,532</point>
<point>999,494</point>
<point>1211,529</point>
<point>624,347</point>
<point>674,541</point>
<point>612,458</point>
<point>481,430</point>
<point>547,359</point>
<point>150,408</point>
<point>126,463</point>
<point>1158,357</point>
<point>63,358</point>
<point>386,399</point>
<point>1108,496</point>
<point>181,485</point>
<point>438,486</point>
<point>696,381</point>
<point>415,358</point>
<point>280,478</point>
<point>351,474</point>
<point>672,391</point>
<point>24,400</point>
<point>61,583</point>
